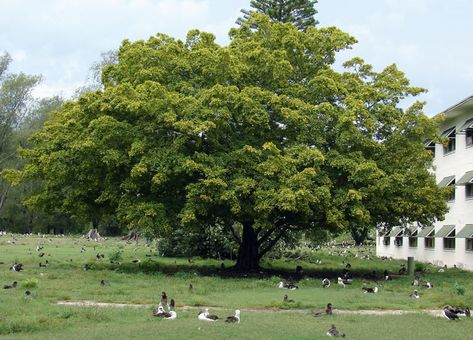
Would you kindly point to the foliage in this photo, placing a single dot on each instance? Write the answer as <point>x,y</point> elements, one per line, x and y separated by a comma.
<point>211,241</point>
<point>116,255</point>
<point>30,283</point>
<point>298,12</point>
<point>459,289</point>
<point>262,136</point>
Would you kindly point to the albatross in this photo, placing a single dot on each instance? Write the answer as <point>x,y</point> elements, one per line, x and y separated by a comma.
<point>234,318</point>
<point>205,316</point>
<point>334,332</point>
<point>326,311</point>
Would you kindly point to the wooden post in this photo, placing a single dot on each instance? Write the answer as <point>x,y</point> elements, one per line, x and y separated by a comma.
<point>410,265</point>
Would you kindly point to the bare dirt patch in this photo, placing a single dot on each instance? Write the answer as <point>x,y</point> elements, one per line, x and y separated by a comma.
<point>87,303</point>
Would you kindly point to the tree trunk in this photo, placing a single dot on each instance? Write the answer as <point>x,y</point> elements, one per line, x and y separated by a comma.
<point>247,258</point>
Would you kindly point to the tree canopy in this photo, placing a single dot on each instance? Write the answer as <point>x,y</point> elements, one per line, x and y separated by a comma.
<point>261,136</point>
<point>298,12</point>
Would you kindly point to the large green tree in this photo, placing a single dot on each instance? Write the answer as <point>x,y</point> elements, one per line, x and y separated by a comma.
<point>261,136</point>
<point>298,12</point>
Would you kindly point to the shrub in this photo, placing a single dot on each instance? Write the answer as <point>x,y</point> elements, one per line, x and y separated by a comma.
<point>459,289</point>
<point>30,283</point>
<point>116,255</point>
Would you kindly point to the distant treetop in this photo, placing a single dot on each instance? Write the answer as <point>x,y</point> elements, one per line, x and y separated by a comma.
<point>299,12</point>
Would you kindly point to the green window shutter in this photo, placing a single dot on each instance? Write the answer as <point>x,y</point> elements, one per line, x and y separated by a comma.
<point>446,181</point>
<point>466,178</point>
<point>448,132</point>
<point>468,125</point>
<point>425,231</point>
<point>395,232</point>
<point>466,232</point>
<point>444,231</point>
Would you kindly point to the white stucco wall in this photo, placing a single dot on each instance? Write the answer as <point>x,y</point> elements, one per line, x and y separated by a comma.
<point>460,212</point>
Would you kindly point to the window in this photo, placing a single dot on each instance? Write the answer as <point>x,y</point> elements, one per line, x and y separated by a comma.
<point>398,241</point>
<point>413,242</point>
<point>469,190</point>
<point>386,241</point>
<point>452,187</point>
<point>449,243</point>
<point>450,146</point>
<point>429,242</point>
<point>449,240</point>
<point>469,244</point>
<point>469,137</point>
<point>430,145</point>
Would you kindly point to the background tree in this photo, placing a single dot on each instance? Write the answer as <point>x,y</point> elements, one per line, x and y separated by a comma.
<point>299,12</point>
<point>262,136</point>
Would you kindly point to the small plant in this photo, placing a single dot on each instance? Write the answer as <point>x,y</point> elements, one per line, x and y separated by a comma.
<point>459,289</point>
<point>30,283</point>
<point>116,255</point>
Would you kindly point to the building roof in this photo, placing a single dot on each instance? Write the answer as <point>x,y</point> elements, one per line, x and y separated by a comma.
<point>458,108</point>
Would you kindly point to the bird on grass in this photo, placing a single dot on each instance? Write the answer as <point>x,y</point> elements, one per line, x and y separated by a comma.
<point>27,293</point>
<point>205,316</point>
<point>234,318</point>
<point>17,267</point>
<point>171,315</point>
<point>427,285</point>
<point>164,299</point>
<point>13,285</point>
<point>191,286</point>
<point>326,311</point>
<point>325,283</point>
<point>370,290</point>
<point>414,295</point>
<point>450,313</point>
<point>136,261</point>
<point>104,283</point>
<point>287,285</point>
<point>172,305</point>
<point>333,331</point>
<point>287,300</point>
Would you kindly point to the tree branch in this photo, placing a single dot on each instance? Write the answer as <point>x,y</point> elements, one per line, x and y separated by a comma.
<point>272,243</point>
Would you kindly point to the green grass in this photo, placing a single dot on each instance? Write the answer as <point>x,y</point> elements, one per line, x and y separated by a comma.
<point>38,316</point>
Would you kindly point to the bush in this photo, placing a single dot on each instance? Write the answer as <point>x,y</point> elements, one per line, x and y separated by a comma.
<point>30,283</point>
<point>116,255</point>
<point>459,289</point>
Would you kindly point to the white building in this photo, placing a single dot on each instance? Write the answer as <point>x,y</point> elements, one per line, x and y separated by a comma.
<point>449,242</point>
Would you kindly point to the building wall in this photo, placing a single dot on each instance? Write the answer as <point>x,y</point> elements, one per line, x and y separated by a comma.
<point>460,210</point>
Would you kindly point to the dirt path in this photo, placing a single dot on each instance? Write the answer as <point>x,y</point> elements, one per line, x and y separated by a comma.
<point>86,303</point>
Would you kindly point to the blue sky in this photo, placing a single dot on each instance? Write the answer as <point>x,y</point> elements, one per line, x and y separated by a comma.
<point>430,40</point>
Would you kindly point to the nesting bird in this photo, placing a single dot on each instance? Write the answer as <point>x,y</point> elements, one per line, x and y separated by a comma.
<point>170,316</point>
<point>414,295</point>
<point>205,316</point>
<point>326,311</point>
<point>287,300</point>
<point>334,332</point>
<point>287,285</point>
<point>325,283</point>
<point>13,285</point>
<point>17,267</point>
<point>234,318</point>
<point>427,285</point>
<point>370,290</point>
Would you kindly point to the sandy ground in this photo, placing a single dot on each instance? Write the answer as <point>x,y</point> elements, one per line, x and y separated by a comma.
<point>86,303</point>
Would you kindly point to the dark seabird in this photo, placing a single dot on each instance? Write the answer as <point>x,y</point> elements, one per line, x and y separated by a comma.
<point>13,285</point>
<point>334,332</point>
<point>449,313</point>
<point>370,290</point>
<point>287,300</point>
<point>326,311</point>
<point>164,299</point>
<point>172,305</point>
<point>234,318</point>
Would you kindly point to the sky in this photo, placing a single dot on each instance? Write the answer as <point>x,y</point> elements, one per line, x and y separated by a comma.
<point>430,40</point>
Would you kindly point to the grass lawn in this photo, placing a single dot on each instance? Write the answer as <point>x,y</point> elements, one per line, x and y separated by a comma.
<point>38,316</point>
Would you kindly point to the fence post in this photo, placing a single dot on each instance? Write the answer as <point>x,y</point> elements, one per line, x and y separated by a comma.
<point>410,265</point>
